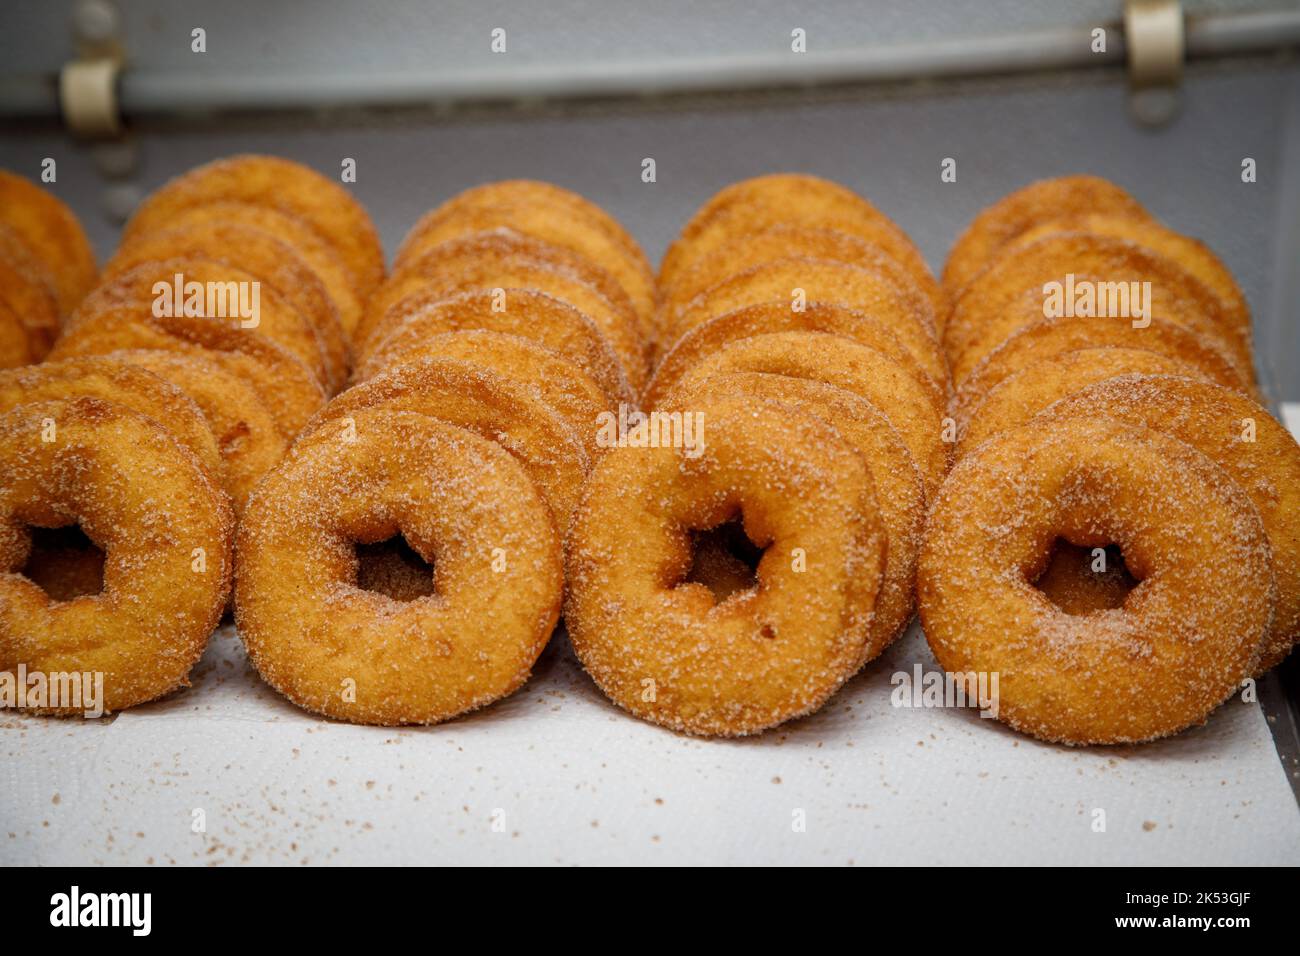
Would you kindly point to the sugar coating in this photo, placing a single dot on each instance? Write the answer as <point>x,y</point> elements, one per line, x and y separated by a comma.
<point>50,232</point>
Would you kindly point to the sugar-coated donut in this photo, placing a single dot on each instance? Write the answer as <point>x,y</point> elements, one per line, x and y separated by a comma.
<point>549,213</point>
<point>658,646</point>
<point>1022,210</point>
<point>801,282</point>
<point>280,184</point>
<point>163,526</point>
<point>122,384</point>
<point>318,254</point>
<point>534,315</point>
<point>502,259</point>
<point>849,365</point>
<point>51,233</point>
<point>465,506</point>
<point>247,437</point>
<point>1024,393</point>
<point>289,391</point>
<point>753,205</point>
<point>1240,437</point>
<point>777,316</point>
<point>1051,337</point>
<point>479,400</point>
<point>900,492</point>
<point>1185,637</point>
<point>1011,294</point>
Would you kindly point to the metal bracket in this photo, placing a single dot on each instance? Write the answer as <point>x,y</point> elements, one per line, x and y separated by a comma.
<point>88,85</point>
<point>1155,39</point>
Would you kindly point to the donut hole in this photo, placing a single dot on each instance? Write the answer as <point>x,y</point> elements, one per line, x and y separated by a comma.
<point>394,569</point>
<point>64,563</point>
<point>1080,580</point>
<point>724,559</point>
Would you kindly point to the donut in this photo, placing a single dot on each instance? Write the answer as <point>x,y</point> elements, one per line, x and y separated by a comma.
<point>247,436</point>
<point>482,402</point>
<point>777,316</point>
<point>1079,581</point>
<point>288,389</point>
<point>835,360</point>
<point>1185,637</point>
<point>752,206</point>
<point>658,646</point>
<point>1011,294</point>
<point>285,186</point>
<point>26,291</point>
<point>834,283</point>
<point>1051,337</point>
<point>52,235</point>
<point>119,383</point>
<point>63,563</point>
<point>1024,393</point>
<point>256,252</point>
<point>793,240</point>
<point>900,492</point>
<point>1194,256</point>
<point>163,526</point>
<point>553,215</point>
<point>319,256</point>
<point>1214,420</point>
<point>1018,212</point>
<point>485,261</point>
<point>465,506</point>
<point>533,315</point>
<point>551,378</point>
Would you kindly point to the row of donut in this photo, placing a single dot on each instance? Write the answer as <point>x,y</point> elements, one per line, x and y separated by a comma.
<point>1106,414</point>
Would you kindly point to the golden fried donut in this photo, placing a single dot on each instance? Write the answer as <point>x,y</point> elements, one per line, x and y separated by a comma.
<point>777,316</point>
<point>1216,421</point>
<point>51,233</point>
<point>902,311</point>
<point>1022,210</point>
<point>465,506</point>
<point>657,645</point>
<point>900,492</point>
<point>1010,295</point>
<point>1186,636</point>
<point>276,320</point>
<point>480,401</point>
<point>1026,392</point>
<point>533,315</point>
<point>318,254</point>
<point>1051,337</point>
<point>288,389</point>
<point>504,260</point>
<point>63,563</point>
<point>1077,582</point>
<point>15,348</point>
<point>163,526</point>
<point>28,293</point>
<point>1192,254</point>
<point>247,437</point>
<point>551,214</point>
<point>122,384</point>
<point>282,185</point>
<point>844,363</point>
<point>256,252</point>
<point>752,206</point>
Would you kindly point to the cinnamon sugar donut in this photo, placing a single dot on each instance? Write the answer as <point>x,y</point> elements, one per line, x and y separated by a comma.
<point>285,186</point>
<point>835,360</point>
<point>1018,212</point>
<point>465,506</point>
<point>658,646</point>
<point>52,235</point>
<point>1023,394</point>
<point>1185,637</point>
<point>751,206</point>
<point>1240,437</point>
<point>533,315</point>
<point>163,526</point>
<point>901,310</point>
<point>482,402</point>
